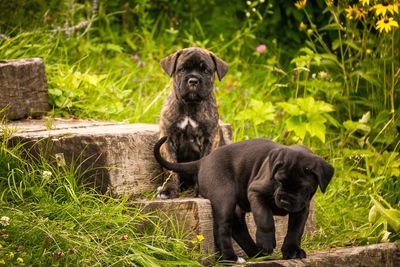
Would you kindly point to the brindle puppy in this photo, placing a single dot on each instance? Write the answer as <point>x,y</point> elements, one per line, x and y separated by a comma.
<point>189,116</point>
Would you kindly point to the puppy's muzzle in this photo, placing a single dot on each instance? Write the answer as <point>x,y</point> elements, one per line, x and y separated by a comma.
<point>193,82</point>
<point>286,202</point>
<point>193,90</point>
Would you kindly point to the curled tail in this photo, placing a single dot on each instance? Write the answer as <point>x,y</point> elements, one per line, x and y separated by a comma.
<point>183,167</point>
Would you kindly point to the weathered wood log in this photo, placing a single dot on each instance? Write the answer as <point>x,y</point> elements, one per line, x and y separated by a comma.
<point>194,216</point>
<point>378,255</point>
<point>23,88</point>
<point>114,157</point>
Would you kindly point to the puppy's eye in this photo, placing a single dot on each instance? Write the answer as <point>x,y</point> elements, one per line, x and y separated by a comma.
<point>307,170</point>
<point>206,71</point>
<point>181,70</point>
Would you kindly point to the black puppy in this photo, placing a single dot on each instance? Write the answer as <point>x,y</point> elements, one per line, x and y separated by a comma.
<point>262,177</point>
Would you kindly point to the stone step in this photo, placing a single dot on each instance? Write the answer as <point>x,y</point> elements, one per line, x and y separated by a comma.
<point>23,88</point>
<point>115,157</point>
<point>377,255</point>
<point>194,217</point>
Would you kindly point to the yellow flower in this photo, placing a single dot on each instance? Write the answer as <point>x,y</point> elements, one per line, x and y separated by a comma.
<point>2,262</point>
<point>395,7</point>
<point>10,255</point>
<point>386,24</point>
<point>200,237</point>
<point>303,26</point>
<point>359,13</point>
<point>364,2</point>
<point>349,12</point>
<point>381,9</point>
<point>20,260</point>
<point>329,3</point>
<point>300,4</point>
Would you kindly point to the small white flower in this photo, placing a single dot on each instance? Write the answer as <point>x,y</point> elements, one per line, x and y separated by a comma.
<point>46,175</point>
<point>323,74</point>
<point>5,221</point>
<point>262,1</point>
<point>248,2</point>
<point>247,14</point>
<point>253,9</point>
<point>313,75</point>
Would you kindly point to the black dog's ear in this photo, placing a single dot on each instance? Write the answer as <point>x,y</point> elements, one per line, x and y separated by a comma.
<point>270,166</point>
<point>324,172</point>
<point>169,63</point>
<point>220,66</point>
<point>276,160</point>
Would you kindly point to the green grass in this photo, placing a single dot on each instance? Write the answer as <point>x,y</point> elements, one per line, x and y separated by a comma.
<point>54,221</point>
<point>96,74</point>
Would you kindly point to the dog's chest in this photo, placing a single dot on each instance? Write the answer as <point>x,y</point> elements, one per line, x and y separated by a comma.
<point>186,122</point>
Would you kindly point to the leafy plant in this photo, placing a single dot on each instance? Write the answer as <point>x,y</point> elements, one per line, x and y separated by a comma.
<point>257,114</point>
<point>385,219</point>
<point>307,116</point>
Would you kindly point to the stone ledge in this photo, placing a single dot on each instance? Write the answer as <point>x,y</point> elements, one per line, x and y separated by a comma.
<point>377,255</point>
<point>119,156</point>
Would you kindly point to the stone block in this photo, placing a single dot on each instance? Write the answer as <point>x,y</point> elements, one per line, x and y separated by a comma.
<point>194,216</point>
<point>377,255</point>
<point>23,88</point>
<point>115,157</point>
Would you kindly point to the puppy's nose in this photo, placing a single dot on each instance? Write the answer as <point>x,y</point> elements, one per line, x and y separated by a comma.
<point>193,81</point>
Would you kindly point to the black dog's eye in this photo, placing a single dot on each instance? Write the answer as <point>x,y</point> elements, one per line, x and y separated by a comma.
<point>181,70</point>
<point>307,170</point>
<point>206,71</point>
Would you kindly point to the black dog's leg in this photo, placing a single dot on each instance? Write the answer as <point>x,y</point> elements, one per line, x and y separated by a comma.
<point>291,246</point>
<point>223,205</point>
<point>265,235</point>
<point>241,234</point>
<point>223,212</point>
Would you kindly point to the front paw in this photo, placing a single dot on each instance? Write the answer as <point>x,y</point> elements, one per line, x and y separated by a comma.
<point>166,193</point>
<point>293,252</point>
<point>266,242</point>
<point>266,248</point>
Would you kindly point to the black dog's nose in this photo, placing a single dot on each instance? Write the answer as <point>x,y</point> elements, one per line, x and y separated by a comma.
<point>193,81</point>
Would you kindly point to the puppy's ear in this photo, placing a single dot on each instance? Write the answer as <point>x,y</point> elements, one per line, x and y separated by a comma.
<point>220,66</point>
<point>169,63</point>
<point>324,172</point>
<point>270,166</point>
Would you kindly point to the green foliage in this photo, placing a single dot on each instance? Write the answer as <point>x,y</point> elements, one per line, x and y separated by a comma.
<point>384,219</point>
<point>53,220</point>
<point>305,115</point>
<point>257,115</point>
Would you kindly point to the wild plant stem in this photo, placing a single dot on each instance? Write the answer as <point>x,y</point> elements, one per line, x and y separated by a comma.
<point>392,110</point>
<point>342,63</point>
<point>345,76</point>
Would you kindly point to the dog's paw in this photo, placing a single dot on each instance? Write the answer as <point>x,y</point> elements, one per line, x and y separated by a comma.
<point>163,193</point>
<point>240,260</point>
<point>266,249</point>
<point>266,243</point>
<point>293,252</point>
